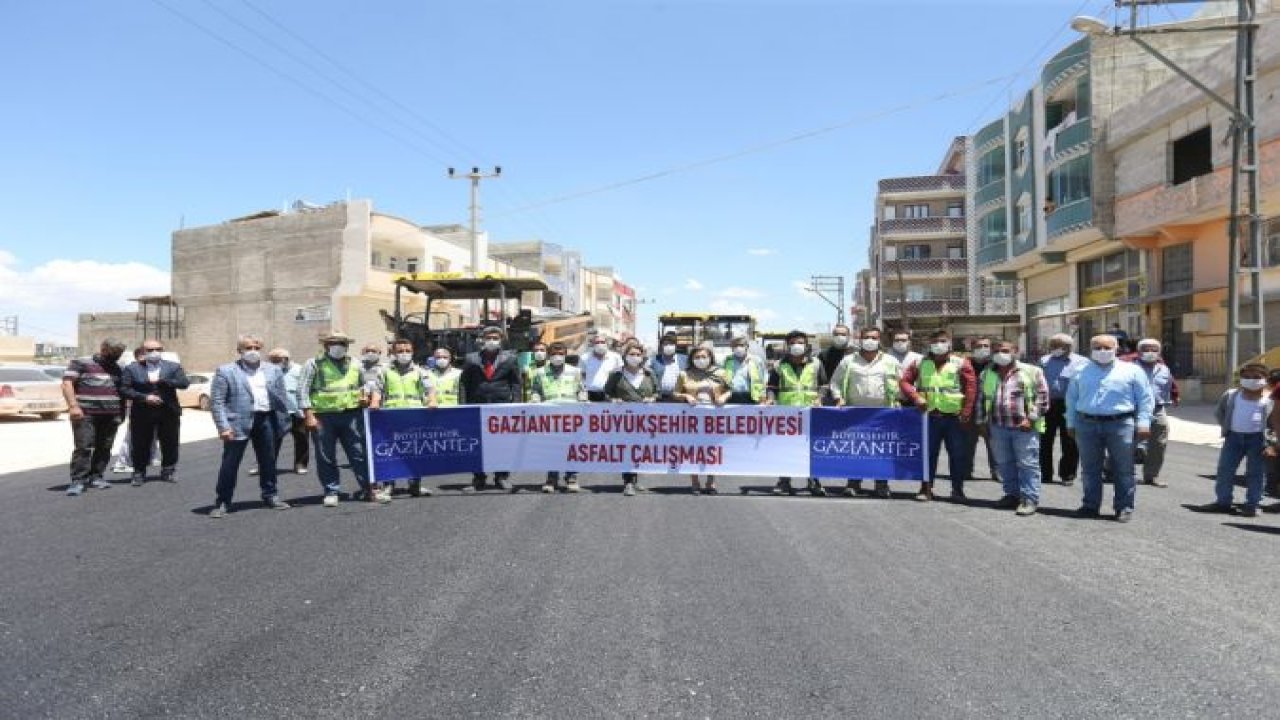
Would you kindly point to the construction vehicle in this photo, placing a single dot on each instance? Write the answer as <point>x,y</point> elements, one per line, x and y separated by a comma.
<point>500,303</point>
<point>693,329</point>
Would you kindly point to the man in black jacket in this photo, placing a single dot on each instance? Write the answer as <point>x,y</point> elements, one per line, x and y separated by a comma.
<point>151,386</point>
<point>492,376</point>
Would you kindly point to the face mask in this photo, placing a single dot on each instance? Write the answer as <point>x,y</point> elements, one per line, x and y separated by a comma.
<point>702,363</point>
<point>1150,357</point>
<point>1252,383</point>
<point>1103,357</point>
<point>981,353</point>
<point>337,352</point>
<point>940,348</point>
<point>540,355</point>
<point>404,358</point>
<point>442,363</point>
<point>668,349</point>
<point>1058,352</point>
<point>599,348</point>
<point>740,352</point>
<point>153,356</point>
<point>557,360</point>
<point>870,345</point>
<point>840,341</point>
<point>252,357</point>
<point>1002,359</point>
<point>492,345</point>
<point>634,360</point>
<point>798,349</point>
<point>371,357</point>
<point>902,346</point>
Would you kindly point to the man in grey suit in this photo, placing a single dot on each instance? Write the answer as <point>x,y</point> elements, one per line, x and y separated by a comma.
<point>248,405</point>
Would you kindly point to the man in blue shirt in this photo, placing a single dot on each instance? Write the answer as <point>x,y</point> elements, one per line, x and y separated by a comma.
<point>1060,365</point>
<point>1164,391</point>
<point>1105,402</point>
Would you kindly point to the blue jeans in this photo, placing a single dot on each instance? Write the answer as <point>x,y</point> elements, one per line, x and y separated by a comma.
<point>1106,440</point>
<point>1018,454</point>
<point>346,427</point>
<point>1236,447</point>
<point>947,429</point>
<point>263,437</point>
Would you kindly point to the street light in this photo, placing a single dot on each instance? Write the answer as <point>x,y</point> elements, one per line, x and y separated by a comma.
<point>1244,150</point>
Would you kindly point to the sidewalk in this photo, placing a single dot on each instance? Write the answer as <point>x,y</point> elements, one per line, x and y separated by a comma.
<point>33,443</point>
<point>1193,423</point>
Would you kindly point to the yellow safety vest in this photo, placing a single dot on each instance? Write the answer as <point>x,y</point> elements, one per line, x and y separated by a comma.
<point>941,387</point>
<point>755,376</point>
<point>991,384</point>
<point>402,390</point>
<point>446,386</point>
<point>338,390</point>
<point>799,391</point>
<point>557,387</point>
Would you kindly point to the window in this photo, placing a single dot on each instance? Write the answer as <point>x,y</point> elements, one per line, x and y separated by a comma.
<point>375,258</point>
<point>411,265</point>
<point>890,212</point>
<point>991,167</point>
<point>955,210</point>
<point>916,252</point>
<point>1192,156</point>
<point>1022,217</point>
<point>917,292</point>
<point>957,292</point>
<point>1020,153</point>
<point>393,263</point>
<point>439,265</point>
<point>955,252</point>
<point>915,211</point>
<point>1069,183</point>
<point>1176,268</point>
<point>993,229</point>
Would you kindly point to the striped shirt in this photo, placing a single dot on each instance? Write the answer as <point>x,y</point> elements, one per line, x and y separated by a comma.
<point>95,382</point>
<point>1011,403</point>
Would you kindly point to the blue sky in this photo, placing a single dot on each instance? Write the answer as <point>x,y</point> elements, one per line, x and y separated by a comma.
<point>123,120</point>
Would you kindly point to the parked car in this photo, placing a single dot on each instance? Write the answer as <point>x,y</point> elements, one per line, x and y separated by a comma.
<point>30,390</point>
<point>197,395</point>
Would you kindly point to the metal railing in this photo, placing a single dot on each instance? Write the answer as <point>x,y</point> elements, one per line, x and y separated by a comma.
<point>989,192</point>
<point>993,254</point>
<point>893,308</point>
<point>1207,365</point>
<point>1070,137</point>
<point>1069,216</point>
<point>923,183</point>
<point>931,266</point>
<point>922,226</point>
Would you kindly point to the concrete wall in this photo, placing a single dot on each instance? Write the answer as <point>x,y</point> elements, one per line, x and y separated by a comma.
<point>93,328</point>
<point>17,348</point>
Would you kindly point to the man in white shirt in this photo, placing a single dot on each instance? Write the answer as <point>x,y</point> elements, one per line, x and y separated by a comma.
<point>667,365</point>
<point>247,402</point>
<point>867,378</point>
<point>599,365</point>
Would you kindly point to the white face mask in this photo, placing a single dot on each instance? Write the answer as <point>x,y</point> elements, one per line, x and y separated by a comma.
<point>1002,358</point>
<point>492,345</point>
<point>634,360</point>
<point>1059,352</point>
<point>1103,357</point>
<point>940,348</point>
<point>981,353</point>
<point>540,355</point>
<point>153,356</point>
<point>668,349</point>
<point>443,363</point>
<point>840,341</point>
<point>798,349</point>
<point>1252,383</point>
<point>740,352</point>
<point>372,357</point>
<point>252,357</point>
<point>902,346</point>
<point>701,363</point>
<point>870,345</point>
<point>404,358</point>
<point>599,348</point>
<point>557,360</point>
<point>337,352</point>
<point>1150,356</point>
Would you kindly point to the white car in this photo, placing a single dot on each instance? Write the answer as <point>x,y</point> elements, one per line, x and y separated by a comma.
<point>197,395</point>
<point>30,390</point>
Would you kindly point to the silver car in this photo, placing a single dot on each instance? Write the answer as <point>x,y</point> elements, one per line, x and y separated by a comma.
<point>30,390</point>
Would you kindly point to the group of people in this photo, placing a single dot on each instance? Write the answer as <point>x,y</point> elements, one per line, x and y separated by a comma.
<point>1108,413</point>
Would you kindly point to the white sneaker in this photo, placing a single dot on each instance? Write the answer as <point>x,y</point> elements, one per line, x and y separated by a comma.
<point>572,486</point>
<point>331,501</point>
<point>548,488</point>
<point>382,495</point>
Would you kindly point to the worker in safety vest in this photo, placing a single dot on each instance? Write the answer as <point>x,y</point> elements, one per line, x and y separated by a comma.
<point>745,372</point>
<point>401,384</point>
<point>558,382</point>
<point>444,381</point>
<point>1015,399</point>
<point>943,386</point>
<point>795,383</point>
<point>867,378</point>
<point>538,360</point>
<point>329,394</point>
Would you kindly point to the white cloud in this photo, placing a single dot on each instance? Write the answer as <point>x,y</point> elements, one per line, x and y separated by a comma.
<point>761,252</point>
<point>739,292</point>
<point>692,284</point>
<point>47,298</point>
<point>733,307</point>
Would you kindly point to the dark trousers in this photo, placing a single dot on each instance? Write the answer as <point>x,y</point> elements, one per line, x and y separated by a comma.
<point>146,424</point>
<point>973,436</point>
<point>301,448</point>
<point>743,398</point>
<point>946,429</point>
<point>263,437</point>
<point>1055,426</point>
<point>1273,475</point>
<point>93,436</point>
<point>597,396</point>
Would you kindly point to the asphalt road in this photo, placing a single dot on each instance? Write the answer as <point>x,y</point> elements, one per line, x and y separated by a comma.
<point>131,603</point>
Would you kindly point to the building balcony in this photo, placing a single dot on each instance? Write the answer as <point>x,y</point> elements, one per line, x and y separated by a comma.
<point>923,184</point>
<point>991,135</point>
<point>1070,217</point>
<point>1072,61</point>
<point>940,225</point>
<point>940,307</point>
<point>988,193</point>
<point>928,268</point>
<point>1067,139</point>
<point>993,254</point>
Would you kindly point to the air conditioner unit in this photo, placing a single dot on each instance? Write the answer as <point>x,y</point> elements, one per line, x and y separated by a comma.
<point>1195,322</point>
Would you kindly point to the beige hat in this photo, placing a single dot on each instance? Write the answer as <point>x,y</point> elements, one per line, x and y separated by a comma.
<point>335,337</point>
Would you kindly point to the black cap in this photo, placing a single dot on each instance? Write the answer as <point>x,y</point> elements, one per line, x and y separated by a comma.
<point>797,334</point>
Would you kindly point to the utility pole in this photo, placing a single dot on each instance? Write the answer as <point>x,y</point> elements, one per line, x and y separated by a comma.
<point>477,257</point>
<point>826,286</point>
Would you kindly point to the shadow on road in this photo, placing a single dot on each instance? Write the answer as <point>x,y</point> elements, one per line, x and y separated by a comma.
<point>1264,529</point>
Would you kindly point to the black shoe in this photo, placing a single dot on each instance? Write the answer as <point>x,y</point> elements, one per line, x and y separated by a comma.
<point>1008,502</point>
<point>168,476</point>
<point>1249,511</point>
<point>276,503</point>
<point>816,489</point>
<point>711,491</point>
<point>783,486</point>
<point>958,496</point>
<point>1272,508</point>
<point>137,480</point>
<point>1068,481</point>
<point>1213,507</point>
<point>1124,516</point>
<point>1087,512</point>
<point>695,490</point>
